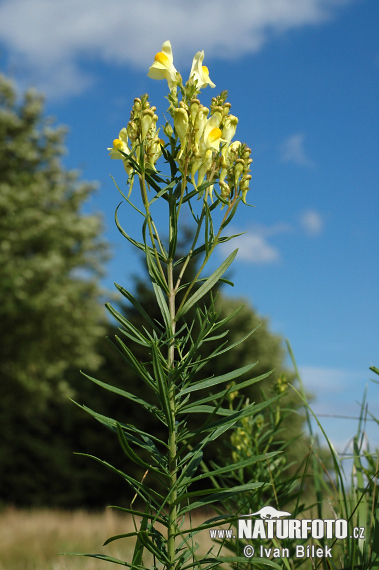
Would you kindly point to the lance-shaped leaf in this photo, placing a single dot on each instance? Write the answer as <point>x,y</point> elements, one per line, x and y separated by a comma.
<point>134,363</point>
<point>133,455</point>
<point>130,330</point>
<point>162,385</point>
<point>134,242</point>
<point>201,248</point>
<point>106,558</point>
<point>139,307</point>
<point>220,495</point>
<point>147,495</point>
<point>207,286</point>
<point>149,544</point>
<point>162,306</point>
<point>208,382</point>
<point>149,407</point>
<point>235,388</point>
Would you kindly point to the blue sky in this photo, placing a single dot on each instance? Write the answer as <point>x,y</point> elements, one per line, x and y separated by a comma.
<point>302,77</point>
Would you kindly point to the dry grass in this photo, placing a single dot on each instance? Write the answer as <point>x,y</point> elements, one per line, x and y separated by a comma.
<point>32,540</point>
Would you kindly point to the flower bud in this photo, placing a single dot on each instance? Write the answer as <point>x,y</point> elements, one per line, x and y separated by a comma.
<point>226,109</point>
<point>230,127</point>
<point>137,104</point>
<point>181,126</point>
<point>225,189</point>
<point>154,151</point>
<point>200,122</point>
<point>168,130</point>
<point>194,107</point>
<point>238,168</point>
<point>132,130</point>
<point>146,122</point>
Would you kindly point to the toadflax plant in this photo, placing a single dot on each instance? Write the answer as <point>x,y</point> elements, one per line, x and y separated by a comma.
<point>205,175</point>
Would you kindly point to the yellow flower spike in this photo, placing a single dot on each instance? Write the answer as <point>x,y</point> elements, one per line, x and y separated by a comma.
<point>163,66</point>
<point>181,126</point>
<point>200,72</point>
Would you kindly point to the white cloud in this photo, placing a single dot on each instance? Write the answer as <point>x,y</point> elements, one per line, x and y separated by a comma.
<point>331,380</point>
<point>292,150</point>
<point>253,246</point>
<point>45,38</point>
<point>312,222</point>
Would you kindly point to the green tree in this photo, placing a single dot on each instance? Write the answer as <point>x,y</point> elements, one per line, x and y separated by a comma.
<point>50,263</point>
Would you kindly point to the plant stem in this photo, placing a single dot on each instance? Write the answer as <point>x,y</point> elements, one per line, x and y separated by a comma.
<point>172,444</point>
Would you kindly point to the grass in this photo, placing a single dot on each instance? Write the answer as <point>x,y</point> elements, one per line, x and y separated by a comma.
<point>32,540</point>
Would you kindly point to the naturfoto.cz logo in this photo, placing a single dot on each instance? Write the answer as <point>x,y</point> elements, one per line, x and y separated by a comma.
<point>274,524</point>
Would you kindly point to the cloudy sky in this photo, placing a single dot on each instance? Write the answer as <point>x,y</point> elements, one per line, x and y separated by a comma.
<point>302,77</point>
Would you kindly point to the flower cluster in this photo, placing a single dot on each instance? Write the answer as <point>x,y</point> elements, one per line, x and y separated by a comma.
<point>200,138</point>
<point>141,129</point>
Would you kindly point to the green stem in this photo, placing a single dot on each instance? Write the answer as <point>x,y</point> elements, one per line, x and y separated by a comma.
<point>150,223</point>
<point>172,443</point>
<point>215,242</point>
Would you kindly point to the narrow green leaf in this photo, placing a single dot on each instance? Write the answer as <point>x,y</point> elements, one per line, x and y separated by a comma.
<point>161,380</point>
<point>162,306</point>
<point>133,332</point>
<point>154,271</point>
<point>235,388</point>
<point>208,382</point>
<point>234,466</point>
<point>104,557</point>
<point>210,282</point>
<point>201,248</point>
<point>143,515</point>
<point>231,215</point>
<point>139,307</point>
<point>132,455</point>
<point>135,364</point>
<point>219,496</point>
<point>122,393</point>
<point>145,493</point>
<point>134,242</point>
<point>149,544</point>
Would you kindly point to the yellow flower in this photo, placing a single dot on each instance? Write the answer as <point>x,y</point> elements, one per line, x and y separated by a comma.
<point>200,122</point>
<point>120,144</point>
<point>181,126</point>
<point>212,133</point>
<point>163,66</point>
<point>213,139</point>
<point>200,72</point>
<point>230,126</point>
<point>213,122</point>
<point>206,164</point>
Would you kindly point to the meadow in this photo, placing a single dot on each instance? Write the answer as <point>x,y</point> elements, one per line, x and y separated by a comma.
<point>33,539</point>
